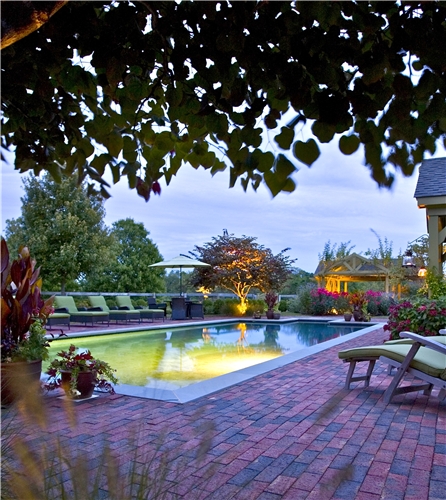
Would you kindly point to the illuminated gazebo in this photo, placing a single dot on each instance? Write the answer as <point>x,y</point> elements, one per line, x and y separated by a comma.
<point>431,195</point>
<point>335,276</point>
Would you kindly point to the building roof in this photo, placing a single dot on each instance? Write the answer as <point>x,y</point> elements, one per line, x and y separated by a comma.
<point>431,178</point>
<point>352,265</point>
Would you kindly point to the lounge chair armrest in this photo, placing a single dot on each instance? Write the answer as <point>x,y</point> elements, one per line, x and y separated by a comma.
<point>82,309</point>
<point>96,308</point>
<point>424,341</point>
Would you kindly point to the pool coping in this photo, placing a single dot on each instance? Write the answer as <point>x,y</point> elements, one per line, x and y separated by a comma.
<point>199,389</point>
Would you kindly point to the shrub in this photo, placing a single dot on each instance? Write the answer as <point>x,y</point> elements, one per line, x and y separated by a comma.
<point>111,303</point>
<point>283,305</point>
<point>217,305</point>
<point>302,303</point>
<point>342,302</point>
<point>294,305</point>
<point>230,307</point>
<point>82,302</point>
<point>423,316</point>
<point>208,306</point>
<point>255,305</point>
<point>323,302</point>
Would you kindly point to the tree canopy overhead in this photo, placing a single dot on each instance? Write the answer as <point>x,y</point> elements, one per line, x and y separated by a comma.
<point>159,84</point>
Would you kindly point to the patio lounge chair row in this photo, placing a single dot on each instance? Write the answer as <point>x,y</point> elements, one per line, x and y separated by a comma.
<point>66,311</point>
<point>422,357</point>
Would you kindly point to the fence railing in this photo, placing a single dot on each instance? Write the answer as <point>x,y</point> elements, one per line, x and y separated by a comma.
<point>212,295</point>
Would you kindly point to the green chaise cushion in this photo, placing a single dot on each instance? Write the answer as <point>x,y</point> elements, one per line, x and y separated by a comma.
<point>126,301</point>
<point>67,302</point>
<point>437,338</point>
<point>99,301</point>
<point>426,360</point>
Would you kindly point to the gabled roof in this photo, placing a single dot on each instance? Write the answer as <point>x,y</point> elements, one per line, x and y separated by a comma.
<point>432,178</point>
<point>352,265</point>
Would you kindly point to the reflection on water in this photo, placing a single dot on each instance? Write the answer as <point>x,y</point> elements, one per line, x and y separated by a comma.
<point>178,357</point>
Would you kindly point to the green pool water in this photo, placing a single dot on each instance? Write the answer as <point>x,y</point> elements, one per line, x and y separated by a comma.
<point>180,357</point>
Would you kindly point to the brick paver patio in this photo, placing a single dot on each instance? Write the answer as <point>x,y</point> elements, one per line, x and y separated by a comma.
<point>293,433</point>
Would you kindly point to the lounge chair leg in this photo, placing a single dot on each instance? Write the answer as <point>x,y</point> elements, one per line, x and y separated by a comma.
<point>350,372</point>
<point>428,391</point>
<point>393,389</point>
<point>369,372</point>
<point>366,377</point>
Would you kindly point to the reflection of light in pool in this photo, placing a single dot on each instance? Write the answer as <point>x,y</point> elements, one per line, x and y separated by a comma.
<point>183,356</point>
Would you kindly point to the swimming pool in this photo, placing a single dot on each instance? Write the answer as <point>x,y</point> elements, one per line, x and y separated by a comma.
<point>174,363</point>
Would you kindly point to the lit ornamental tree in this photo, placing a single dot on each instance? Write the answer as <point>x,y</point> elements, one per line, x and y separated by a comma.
<point>240,264</point>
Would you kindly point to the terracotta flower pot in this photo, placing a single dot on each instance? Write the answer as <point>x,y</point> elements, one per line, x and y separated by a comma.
<point>16,375</point>
<point>358,316</point>
<point>270,314</point>
<point>85,384</point>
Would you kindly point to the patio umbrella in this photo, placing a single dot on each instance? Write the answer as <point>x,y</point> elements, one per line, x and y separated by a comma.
<point>180,262</point>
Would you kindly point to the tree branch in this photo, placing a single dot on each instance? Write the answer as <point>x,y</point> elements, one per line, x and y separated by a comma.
<point>20,18</point>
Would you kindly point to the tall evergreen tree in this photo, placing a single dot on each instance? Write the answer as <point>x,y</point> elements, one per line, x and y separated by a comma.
<point>63,226</point>
<point>127,268</point>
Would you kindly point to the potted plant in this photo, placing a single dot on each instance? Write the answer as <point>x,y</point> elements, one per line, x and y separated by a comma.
<point>79,373</point>
<point>271,299</point>
<point>23,317</point>
<point>342,305</point>
<point>359,302</point>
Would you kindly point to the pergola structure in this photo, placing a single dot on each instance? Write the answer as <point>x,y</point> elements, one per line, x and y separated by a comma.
<point>431,195</point>
<point>335,276</point>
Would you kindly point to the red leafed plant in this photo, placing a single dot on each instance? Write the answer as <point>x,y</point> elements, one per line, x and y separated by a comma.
<point>21,302</point>
<point>271,299</point>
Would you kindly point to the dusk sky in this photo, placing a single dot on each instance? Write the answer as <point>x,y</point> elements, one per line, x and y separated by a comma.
<point>335,200</point>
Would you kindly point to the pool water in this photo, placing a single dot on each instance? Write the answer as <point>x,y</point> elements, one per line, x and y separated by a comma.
<point>178,357</point>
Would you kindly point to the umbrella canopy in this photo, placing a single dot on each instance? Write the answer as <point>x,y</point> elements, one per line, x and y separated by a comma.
<point>180,262</point>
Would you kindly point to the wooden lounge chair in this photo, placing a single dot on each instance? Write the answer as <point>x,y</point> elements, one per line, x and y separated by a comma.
<point>125,302</point>
<point>78,315</point>
<point>423,357</point>
<point>115,314</point>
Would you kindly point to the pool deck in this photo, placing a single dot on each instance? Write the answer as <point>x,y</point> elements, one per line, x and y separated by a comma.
<point>291,433</point>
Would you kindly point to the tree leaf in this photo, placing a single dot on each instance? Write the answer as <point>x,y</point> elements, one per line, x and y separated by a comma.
<point>348,144</point>
<point>285,138</point>
<point>306,152</point>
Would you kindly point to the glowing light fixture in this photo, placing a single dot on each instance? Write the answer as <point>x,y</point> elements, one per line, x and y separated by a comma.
<point>422,272</point>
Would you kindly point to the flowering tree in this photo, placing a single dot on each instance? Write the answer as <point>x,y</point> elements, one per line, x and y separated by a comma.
<point>240,264</point>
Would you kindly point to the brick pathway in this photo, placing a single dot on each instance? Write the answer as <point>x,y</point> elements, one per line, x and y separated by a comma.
<point>293,433</point>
